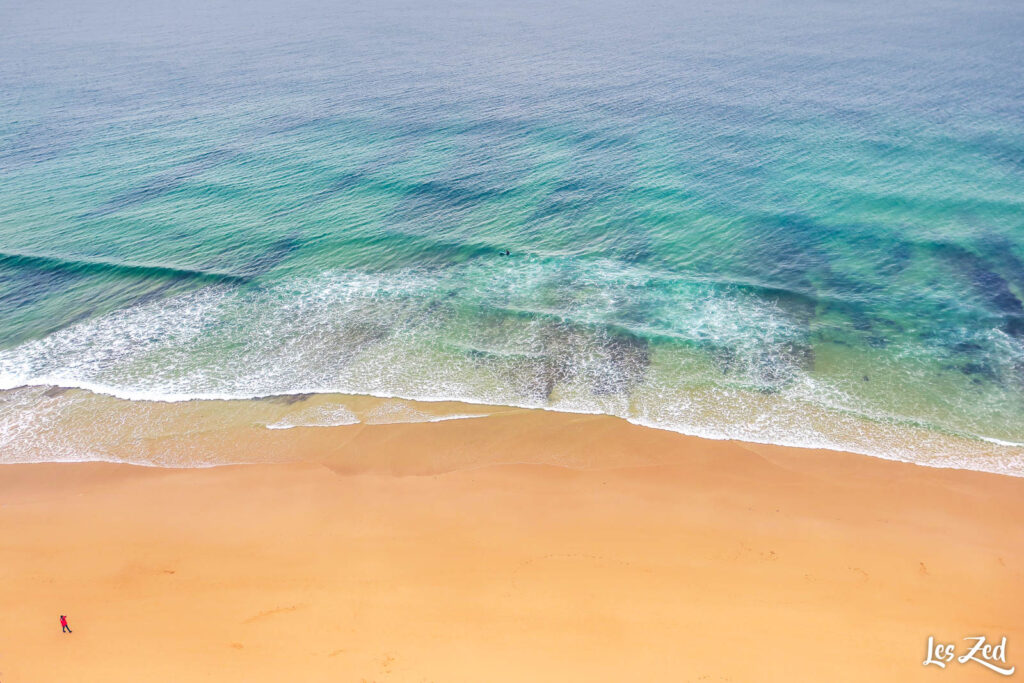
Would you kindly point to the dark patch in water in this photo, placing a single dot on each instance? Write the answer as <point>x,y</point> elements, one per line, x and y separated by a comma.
<point>900,256</point>
<point>360,335</point>
<point>776,367</point>
<point>967,348</point>
<point>789,250</point>
<point>163,183</point>
<point>575,198</point>
<point>998,148</point>
<point>600,141</point>
<point>496,125</point>
<point>838,342</point>
<point>286,399</point>
<point>628,357</point>
<point>87,266</point>
<point>1014,326</point>
<point>340,184</point>
<point>86,288</point>
<point>770,372</point>
<point>39,143</point>
<point>794,301</point>
<point>27,285</point>
<point>979,369</point>
<point>362,176</point>
<point>1002,253</point>
<point>451,193</point>
<point>606,361</point>
<point>159,292</point>
<point>81,316</point>
<point>799,355</point>
<point>860,322</point>
<point>336,347</point>
<point>438,207</point>
<point>988,283</point>
<point>771,368</point>
<point>995,273</point>
<point>542,381</point>
<point>268,260</point>
<point>55,391</point>
<point>726,359</point>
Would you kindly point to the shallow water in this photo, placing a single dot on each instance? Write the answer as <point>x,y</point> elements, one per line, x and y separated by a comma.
<point>799,224</point>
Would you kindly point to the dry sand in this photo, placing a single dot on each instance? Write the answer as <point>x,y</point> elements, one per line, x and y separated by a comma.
<point>450,552</point>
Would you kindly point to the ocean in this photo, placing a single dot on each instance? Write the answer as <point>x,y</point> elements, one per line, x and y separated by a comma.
<point>798,223</point>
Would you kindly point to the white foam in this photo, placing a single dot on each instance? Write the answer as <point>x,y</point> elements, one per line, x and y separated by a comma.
<point>1000,442</point>
<point>445,418</point>
<point>377,335</point>
<point>319,416</point>
<point>399,412</point>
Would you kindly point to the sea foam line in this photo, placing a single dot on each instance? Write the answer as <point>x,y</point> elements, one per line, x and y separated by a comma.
<point>1007,466</point>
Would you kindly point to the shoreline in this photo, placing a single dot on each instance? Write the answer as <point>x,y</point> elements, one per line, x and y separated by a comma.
<point>422,551</point>
<point>78,407</point>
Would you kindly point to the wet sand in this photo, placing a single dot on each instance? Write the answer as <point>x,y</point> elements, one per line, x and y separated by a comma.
<point>526,546</point>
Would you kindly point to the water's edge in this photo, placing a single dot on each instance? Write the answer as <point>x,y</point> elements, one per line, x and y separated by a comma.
<point>48,423</point>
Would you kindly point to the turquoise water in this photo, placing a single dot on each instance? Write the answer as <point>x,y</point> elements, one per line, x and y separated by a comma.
<point>798,224</point>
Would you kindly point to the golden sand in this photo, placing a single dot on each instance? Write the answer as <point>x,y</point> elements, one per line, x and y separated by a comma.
<point>458,551</point>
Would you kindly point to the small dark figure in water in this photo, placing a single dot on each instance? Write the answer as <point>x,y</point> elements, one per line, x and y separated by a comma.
<point>505,253</point>
<point>64,628</point>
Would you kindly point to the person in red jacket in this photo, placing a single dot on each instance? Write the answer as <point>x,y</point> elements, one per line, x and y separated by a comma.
<point>64,624</point>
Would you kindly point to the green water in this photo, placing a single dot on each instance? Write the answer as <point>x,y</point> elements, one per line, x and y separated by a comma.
<point>799,224</point>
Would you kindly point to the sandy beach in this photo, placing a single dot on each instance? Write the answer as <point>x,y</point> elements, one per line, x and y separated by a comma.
<point>451,551</point>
